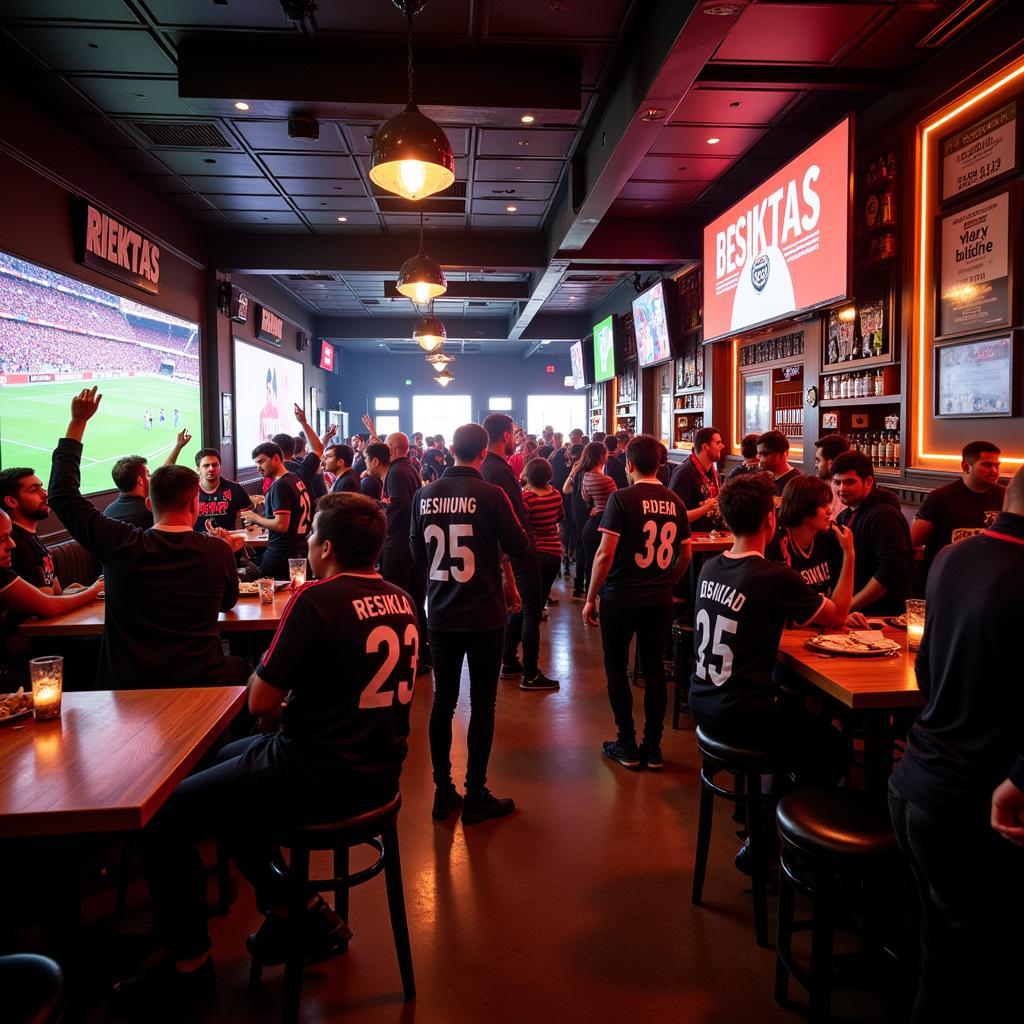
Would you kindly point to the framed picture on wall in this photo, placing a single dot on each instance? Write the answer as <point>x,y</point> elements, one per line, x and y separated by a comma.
<point>757,403</point>
<point>975,265</point>
<point>226,416</point>
<point>981,153</point>
<point>976,378</point>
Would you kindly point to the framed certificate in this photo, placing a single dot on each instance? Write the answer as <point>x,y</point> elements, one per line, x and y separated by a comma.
<point>976,378</point>
<point>226,416</point>
<point>980,154</point>
<point>757,403</point>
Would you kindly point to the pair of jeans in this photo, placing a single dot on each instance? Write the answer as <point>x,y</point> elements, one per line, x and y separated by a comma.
<point>620,620</point>
<point>971,885</point>
<point>525,624</point>
<point>550,564</point>
<point>482,649</point>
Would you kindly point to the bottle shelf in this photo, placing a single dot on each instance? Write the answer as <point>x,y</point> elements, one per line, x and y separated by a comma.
<point>836,403</point>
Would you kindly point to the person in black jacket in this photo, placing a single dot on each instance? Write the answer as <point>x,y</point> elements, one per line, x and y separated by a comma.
<point>614,467</point>
<point>957,795</point>
<point>881,534</point>
<point>461,526</point>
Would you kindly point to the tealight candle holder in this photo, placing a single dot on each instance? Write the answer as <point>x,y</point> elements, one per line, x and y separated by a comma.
<point>47,686</point>
<point>915,623</point>
<point>297,572</point>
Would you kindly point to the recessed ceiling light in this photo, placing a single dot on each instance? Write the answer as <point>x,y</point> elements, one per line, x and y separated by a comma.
<point>93,46</point>
<point>511,209</point>
<point>722,10</point>
<point>713,141</point>
<point>647,206</point>
<point>138,95</point>
<point>735,104</point>
<point>209,160</point>
<point>653,114</point>
<point>241,106</point>
<point>682,168</point>
<point>527,119</point>
<point>343,220</point>
<point>524,142</point>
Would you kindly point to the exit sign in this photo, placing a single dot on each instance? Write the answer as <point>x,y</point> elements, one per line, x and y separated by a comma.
<point>550,368</point>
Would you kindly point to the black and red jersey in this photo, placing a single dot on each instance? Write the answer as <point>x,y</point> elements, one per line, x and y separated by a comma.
<point>221,506</point>
<point>289,494</point>
<point>31,559</point>
<point>400,487</point>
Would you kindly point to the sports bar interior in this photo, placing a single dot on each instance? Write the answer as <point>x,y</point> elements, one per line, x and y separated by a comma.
<point>783,238</point>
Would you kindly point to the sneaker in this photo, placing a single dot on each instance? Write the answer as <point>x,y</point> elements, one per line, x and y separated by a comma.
<point>162,986</point>
<point>538,682</point>
<point>446,801</point>
<point>650,754</point>
<point>324,933</point>
<point>625,753</point>
<point>483,806</point>
<point>511,668</point>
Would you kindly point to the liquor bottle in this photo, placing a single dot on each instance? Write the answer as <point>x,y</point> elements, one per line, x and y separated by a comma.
<point>889,460</point>
<point>895,449</point>
<point>873,449</point>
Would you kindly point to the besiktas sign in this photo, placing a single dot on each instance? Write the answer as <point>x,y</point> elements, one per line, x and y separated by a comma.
<point>108,245</point>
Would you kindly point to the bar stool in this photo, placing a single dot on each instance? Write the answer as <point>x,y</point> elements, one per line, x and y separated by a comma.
<point>378,829</point>
<point>824,834</point>
<point>682,661</point>
<point>33,989</point>
<point>746,765</point>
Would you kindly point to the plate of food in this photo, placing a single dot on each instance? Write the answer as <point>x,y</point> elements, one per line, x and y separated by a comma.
<point>252,587</point>
<point>898,621</point>
<point>856,644</point>
<point>14,706</point>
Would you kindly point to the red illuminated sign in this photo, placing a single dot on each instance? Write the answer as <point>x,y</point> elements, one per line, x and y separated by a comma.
<point>326,357</point>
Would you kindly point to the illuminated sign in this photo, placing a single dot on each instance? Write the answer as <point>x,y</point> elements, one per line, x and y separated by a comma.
<point>269,326</point>
<point>109,245</point>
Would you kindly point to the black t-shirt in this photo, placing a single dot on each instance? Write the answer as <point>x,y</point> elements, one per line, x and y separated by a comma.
<point>560,467</point>
<point>30,559</point>
<point>289,494</point>
<point>372,487</point>
<point>495,470</point>
<point>346,482</point>
<point>346,649</point>
<point>955,506</point>
<point>695,488</point>
<point>460,527</point>
<point>164,590</point>
<point>435,462</point>
<point>650,522</point>
<point>819,566</point>
<point>307,469</point>
<point>780,482</point>
<point>130,508</point>
<point>617,471</point>
<point>400,487</point>
<point>742,606</point>
<point>545,451</point>
<point>221,507</point>
<point>8,625</point>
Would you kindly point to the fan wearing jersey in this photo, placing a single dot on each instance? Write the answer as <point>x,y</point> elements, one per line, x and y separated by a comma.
<point>806,540</point>
<point>644,552</point>
<point>220,499</point>
<point>288,509</point>
<point>743,603</point>
<point>696,480</point>
<point>461,525</point>
<point>338,677</point>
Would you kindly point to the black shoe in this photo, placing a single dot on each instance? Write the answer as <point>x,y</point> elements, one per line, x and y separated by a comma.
<point>483,806</point>
<point>650,754</point>
<point>162,987</point>
<point>625,753</point>
<point>511,668</point>
<point>323,935</point>
<point>538,682</point>
<point>447,800</point>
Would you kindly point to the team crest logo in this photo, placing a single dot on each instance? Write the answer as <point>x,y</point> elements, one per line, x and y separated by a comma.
<point>759,271</point>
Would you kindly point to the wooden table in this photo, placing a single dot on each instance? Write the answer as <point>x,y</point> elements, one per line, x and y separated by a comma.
<point>248,616</point>
<point>704,543</point>
<point>252,540</point>
<point>110,761</point>
<point>872,688</point>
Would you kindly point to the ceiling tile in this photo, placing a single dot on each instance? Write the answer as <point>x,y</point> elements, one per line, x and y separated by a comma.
<point>675,168</point>
<point>513,191</point>
<point>637,208</point>
<point>251,14</point>
<point>258,217</point>
<point>273,135</point>
<point>499,206</point>
<point>685,139</point>
<point>525,143</point>
<point>541,18</point>
<point>490,220</point>
<point>111,51</point>
<point>323,186</point>
<point>335,202</point>
<point>134,97</point>
<point>518,170</point>
<point>198,161</point>
<point>665,191</point>
<point>733,106</point>
<point>251,203</point>
<point>100,131</point>
<point>351,217</point>
<point>186,201</point>
<point>300,166</point>
<point>95,10</point>
<point>163,184</point>
<point>213,185</point>
<point>132,160</point>
<point>435,222</point>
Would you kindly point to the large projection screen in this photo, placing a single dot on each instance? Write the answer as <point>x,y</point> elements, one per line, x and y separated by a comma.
<point>785,248</point>
<point>267,388</point>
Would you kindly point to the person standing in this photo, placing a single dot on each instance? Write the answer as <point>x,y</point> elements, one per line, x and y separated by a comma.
<point>561,465</point>
<point>696,480</point>
<point>772,455</point>
<point>748,450</point>
<point>376,457</point>
<point>615,467</point>
<point>594,490</point>
<point>464,529</point>
<point>643,553</point>
<point>826,450</point>
<point>957,794</point>
<point>579,510</point>
<point>338,459</point>
<point>544,511</point>
<point>436,459</point>
<point>220,499</point>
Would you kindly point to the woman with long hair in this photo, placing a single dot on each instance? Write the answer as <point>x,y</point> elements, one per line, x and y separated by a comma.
<point>590,489</point>
<point>544,511</point>
<point>806,540</point>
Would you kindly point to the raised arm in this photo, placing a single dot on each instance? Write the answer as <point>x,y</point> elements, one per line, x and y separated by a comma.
<point>316,446</point>
<point>183,439</point>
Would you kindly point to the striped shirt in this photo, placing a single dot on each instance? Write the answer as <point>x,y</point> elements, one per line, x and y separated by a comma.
<point>597,487</point>
<point>544,512</point>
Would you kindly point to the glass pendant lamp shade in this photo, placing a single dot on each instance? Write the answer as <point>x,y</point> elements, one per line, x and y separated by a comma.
<point>444,378</point>
<point>411,156</point>
<point>421,278</point>
<point>440,360</point>
<point>429,333</point>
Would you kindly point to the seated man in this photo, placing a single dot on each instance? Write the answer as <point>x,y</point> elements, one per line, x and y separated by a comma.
<point>339,752</point>
<point>131,478</point>
<point>806,540</point>
<point>884,576</point>
<point>826,449</point>
<point>773,457</point>
<point>164,586</point>
<point>23,498</point>
<point>220,499</point>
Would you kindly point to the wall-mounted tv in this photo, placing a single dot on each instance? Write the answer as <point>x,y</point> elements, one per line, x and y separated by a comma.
<point>267,389</point>
<point>653,323</point>
<point>579,369</point>
<point>327,355</point>
<point>785,248</point>
<point>59,335</point>
<point>607,348</point>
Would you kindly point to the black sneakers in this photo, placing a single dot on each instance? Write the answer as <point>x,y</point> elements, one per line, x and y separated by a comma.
<point>512,668</point>
<point>626,754</point>
<point>446,802</point>
<point>162,986</point>
<point>650,754</point>
<point>483,806</point>
<point>324,933</point>
<point>538,682</point>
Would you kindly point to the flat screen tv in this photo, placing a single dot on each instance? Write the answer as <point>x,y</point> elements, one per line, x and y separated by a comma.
<point>607,348</point>
<point>785,248</point>
<point>652,324</point>
<point>59,335</point>
<point>267,389</point>
<point>579,371</point>
<point>327,356</point>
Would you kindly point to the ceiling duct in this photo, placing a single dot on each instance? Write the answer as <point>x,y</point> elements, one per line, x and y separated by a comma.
<point>181,134</point>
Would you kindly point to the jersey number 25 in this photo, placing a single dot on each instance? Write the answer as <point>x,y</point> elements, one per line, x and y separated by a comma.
<point>457,552</point>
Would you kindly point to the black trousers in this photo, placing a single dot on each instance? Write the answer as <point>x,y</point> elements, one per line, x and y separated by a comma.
<point>650,623</point>
<point>591,541</point>
<point>582,577</point>
<point>971,885</point>
<point>482,649</point>
<point>398,567</point>
<point>550,564</point>
<point>565,529</point>
<point>525,624</point>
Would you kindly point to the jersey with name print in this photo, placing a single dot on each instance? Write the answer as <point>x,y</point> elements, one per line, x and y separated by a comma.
<point>650,522</point>
<point>461,526</point>
<point>289,494</point>
<point>819,565</point>
<point>221,507</point>
<point>346,653</point>
<point>742,605</point>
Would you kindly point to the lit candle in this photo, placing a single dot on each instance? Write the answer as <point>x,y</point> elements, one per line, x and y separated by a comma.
<point>915,623</point>
<point>46,694</point>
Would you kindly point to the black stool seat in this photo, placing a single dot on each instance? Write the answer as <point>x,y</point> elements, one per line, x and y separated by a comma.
<point>837,824</point>
<point>351,831</point>
<point>743,758</point>
<point>32,989</point>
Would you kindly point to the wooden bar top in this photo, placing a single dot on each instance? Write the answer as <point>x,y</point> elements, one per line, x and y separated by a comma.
<point>110,761</point>
<point>248,616</point>
<point>856,682</point>
<point>705,542</point>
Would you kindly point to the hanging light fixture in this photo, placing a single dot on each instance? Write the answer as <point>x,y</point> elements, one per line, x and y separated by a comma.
<point>440,360</point>
<point>444,378</point>
<point>429,333</point>
<point>411,155</point>
<point>421,278</point>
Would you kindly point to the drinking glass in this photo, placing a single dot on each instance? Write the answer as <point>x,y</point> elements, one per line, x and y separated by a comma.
<point>297,572</point>
<point>915,623</point>
<point>47,686</point>
<point>265,585</point>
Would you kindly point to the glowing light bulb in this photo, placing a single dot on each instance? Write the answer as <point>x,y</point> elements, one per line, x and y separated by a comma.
<point>413,176</point>
<point>422,292</point>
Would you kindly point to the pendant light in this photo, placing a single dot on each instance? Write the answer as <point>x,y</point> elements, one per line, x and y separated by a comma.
<point>411,155</point>
<point>444,378</point>
<point>421,278</point>
<point>440,360</point>
<point>429,333</point>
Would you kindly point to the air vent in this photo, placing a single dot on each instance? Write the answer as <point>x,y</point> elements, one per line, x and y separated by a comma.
<point>456,190</point>
<point>181,134</point>
<point>310,277</point>
<point>371,302</point>
<point>477,304</point>
<point>391,204</point>
<point>950,27</point>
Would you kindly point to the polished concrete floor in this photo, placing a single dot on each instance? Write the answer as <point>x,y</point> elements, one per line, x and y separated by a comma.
<point>577,908</point>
